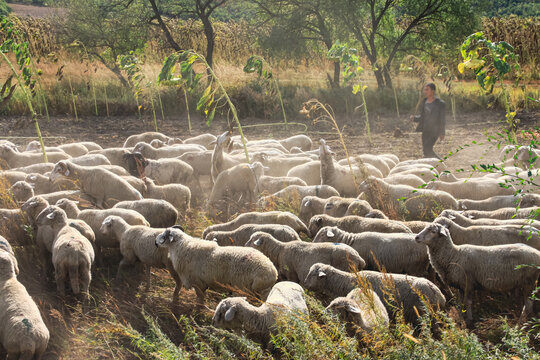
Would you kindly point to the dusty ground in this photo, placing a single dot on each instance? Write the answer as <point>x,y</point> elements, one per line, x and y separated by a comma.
<point>98,334</point>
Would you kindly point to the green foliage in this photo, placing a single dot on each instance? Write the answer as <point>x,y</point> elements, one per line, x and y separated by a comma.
<point>4,8</point>
<point>492,8</point>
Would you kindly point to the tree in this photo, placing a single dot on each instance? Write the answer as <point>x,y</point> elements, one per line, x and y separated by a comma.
<point>296,22</point>
<point>385,29</point>
<point>198,9</point>
<point>106,28</point>
<point>4,8</point>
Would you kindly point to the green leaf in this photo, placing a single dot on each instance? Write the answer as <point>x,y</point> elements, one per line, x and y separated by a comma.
<point>204,98</point>
<point>210,117</point>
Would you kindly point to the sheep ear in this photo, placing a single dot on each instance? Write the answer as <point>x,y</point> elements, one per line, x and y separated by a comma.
<point>322,274</point>
<point>258,242</point>
<point>214,240</point>
<point>353,309</point>
<point>51,216</point>
<point>443,231</point>
<point>451,217</point>
<point>463,207</point>
<point>470,216</point>
<point>32,177</point>
<point>330,233</point>
<point>307,203</point>
<point>67,172</point>
<point>179,227</point>
<point>229,314</point>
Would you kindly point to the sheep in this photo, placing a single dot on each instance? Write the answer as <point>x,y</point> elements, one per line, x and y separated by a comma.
<point>504,213</point>
<point>90,145</point>
<point>301,141</point>
<point>311,205</point>
<point>397,291</point>
<point>73,149</point>
<point>395,253</point>
<point>239,180</point>
<point>359,208</point>
<point>373,160</point>
<point>41,184</point>
<point>494,268</point>
<point>361,307</point>
<point>404,179</point>
<point>240,235</point>
<point>220,162</point>
<point>72,253</point>
<point>285,299</point>
<point>91,160</point>
<point>105,187</point>
<point>501,201</point>
<point>293,259</point>
<point>433,162</point>
<point>94,218</point>
<point>12,226</point>
<point>159,213</point>
<point>205,264</point>
<point>376,214</point>
<point>473,190</point>
<point>136,183</point>
<point>132,140</point>
<point>163,171</point>
<point>425,174</point>
<point>387,197</point>
<point>205,140</point>
<point>69,194</point>
<point>22,331</point>
<point>414,168</point>
<point>115,169</point>
<point>35,146</point>
<point>21,191</point>
<point>6,247</point>
<point>177,195</point>
<point>40,168</point>
<point>356,224</point>
<point>137,242</point>
<point>114,155</point>
<point>464,221</point>
<point>166,152</point>
<point>293,194</point>
<point>15,159</point>
<point>10,177</point>
<point>279,165</point>
<point>338,176</point>
<point>269,217</point>
<point>336,206</point>
<point>201,162</point>
<point>391,158</point>
<point>273,184</point>
<point>489,235</point>
<point>310,172</point>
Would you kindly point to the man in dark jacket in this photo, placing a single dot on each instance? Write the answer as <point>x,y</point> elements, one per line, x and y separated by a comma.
<point>431,121</point>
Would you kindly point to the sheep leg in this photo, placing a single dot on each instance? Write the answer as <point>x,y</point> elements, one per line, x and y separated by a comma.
<point>26,355</point>
<point>123,263</point>
<point>200,296</point>
<point>148,276</point>
<point>46,261</point>
<point>527,305</point>
<point>86,277</point>
<point>60,277</point>
<point>178,283</point>
<point>467,300</point>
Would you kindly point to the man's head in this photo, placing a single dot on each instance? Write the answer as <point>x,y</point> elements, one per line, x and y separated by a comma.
<point>429,90</point>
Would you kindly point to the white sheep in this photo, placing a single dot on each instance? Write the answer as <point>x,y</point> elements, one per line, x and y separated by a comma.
<point>21,191</point>
<point>501,201</point>
<point>40,168</point>
<point>41,184</point>
<point>285,299</point>
<point>293,259</point>
<point>473,190</point>
<point>311,205</point>
<point>269,217</point>
<point>356,224</point>
<point>279,165</point>
<point>303,142</point>
<point>205,140</point>
<point>393,252</point>
<point>494,268</point>
<point>15,159</point>
<point>273,184</point>
<point>219,161</point>
<point>132,140</point>
<point>166,152</point>
<point>138,242</point>
<point>293,195</point>
<point>105,187</point>
<point>22,331</point>
<point>337,206</point>
<point>177,195</point>
<point>410,293</point>
<point>310,172</point>
<point>163,171</point>
<point>504,213</point>
<point>464,221</point>
<point>91,160</point>
<point>241,235</point>
<point>159,213</point>
<point>114,155</point>
<point>6,247</point>
<point>204,264</point>
<point>404,179</point>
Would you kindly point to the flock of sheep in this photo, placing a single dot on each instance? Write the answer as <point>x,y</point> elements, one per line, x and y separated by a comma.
<point>386,226</point>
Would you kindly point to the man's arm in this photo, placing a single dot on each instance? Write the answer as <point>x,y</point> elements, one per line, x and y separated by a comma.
<point>442,119</point>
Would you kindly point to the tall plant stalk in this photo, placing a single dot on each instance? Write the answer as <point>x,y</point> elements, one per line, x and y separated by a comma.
<point>187,109</point>
<point>73,99</point>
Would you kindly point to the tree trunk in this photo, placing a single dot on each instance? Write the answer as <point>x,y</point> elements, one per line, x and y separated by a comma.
<point>337,71</point>
<point>380,79</point>
<point>387,77</point>
<point>209,33</point>
<point>116,71</point>
<point>163,26</point>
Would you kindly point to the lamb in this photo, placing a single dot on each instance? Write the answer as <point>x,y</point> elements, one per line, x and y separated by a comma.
<point>201,162</point>
<point>21,191</point>
<point>465,221</point>
<point>16,159</point>
<point>279,165</point>
<point>311,205</point>
<point>90,145</point>
<point>494,268</point>
<point>114,155</point>
<point>132,140</point>
<point>273,184</point>
<point>293,194</point>
<point>473,190</point>
<point>336,206</point>
<point>412,294</point>
<point>105,187</point>
<point>163,171</point>
<point>425,174</point>
<point>6,248</point>
<point>360,208</point>
<point>91,160</point>
<point>269,217</point>
<point>177,195</point>
<point>137,242</point>
<point>72,253</point>
<point>94,218</point>
<point>361,307</point>
<point>395,253</point>
<point>501,201</point>
<point>301,141</point>
<point>220,162</point>
<point>205,140</point>
<point>241,235</point>
<point>420,202</point>
<point>489,235</point>
<point>23,333</point>
<point>40,168</point>
<point>35,146</point>
<point>205,264</point>
<point>166,152</point>
<point>285,299</point>
<point>293,259</point>
<point>405,179</point>
<point>368,160</point>
<point>41,184</point>
<point>504,213</point>
<point>356,224</point>
<point>10,177</point>
<point>310,172</point>
<point>159,213</point>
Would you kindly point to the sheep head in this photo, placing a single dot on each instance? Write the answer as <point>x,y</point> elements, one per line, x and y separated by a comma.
<point>258,169</point>
<point>226,313</point>
<point>33,145</point>
<point>432,233</point>
<point>136,163</point>
<point>326,234</point>
<point>62,168</point>
<point>33,206</point>
<point>258,240</point>
<point>169,236</point>
<point>7,267</point>
<point>316,277</point>
<point>50,215</point>
<point>346,309</point>
<point>315,224</point>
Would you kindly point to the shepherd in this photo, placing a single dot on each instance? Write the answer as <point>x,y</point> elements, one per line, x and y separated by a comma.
<point>431,121</point>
